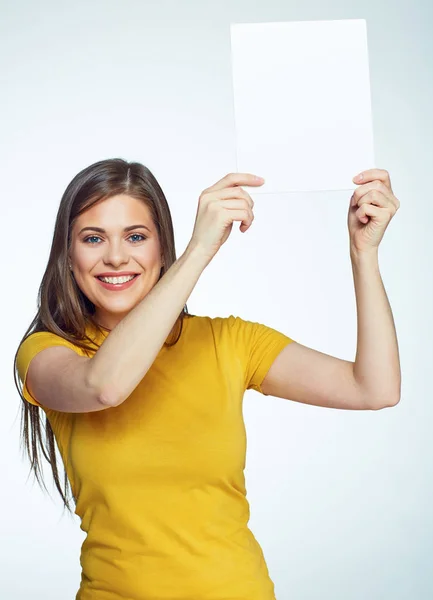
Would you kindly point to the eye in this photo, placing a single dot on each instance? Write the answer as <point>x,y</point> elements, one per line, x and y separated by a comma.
<point>91,237</point>
<point>143,237</point>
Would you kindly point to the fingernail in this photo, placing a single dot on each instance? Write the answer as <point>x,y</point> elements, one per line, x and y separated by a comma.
<point>259,178</point>
<point>359,177</point>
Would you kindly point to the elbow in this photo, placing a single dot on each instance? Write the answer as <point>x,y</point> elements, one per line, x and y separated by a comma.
<point>107,398</point>
<point>389,402</point>
<point>394,403</point>
<point>393,399</point>
<point>104,394</point>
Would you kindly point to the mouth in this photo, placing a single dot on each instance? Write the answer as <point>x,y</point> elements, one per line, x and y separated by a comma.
<point>117,280</point>
<point>117,283</point>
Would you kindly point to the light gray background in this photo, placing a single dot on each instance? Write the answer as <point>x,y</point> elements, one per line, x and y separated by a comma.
<point>341,501</point>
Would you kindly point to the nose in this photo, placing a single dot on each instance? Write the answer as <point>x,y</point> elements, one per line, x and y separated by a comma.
<point>116,254</point>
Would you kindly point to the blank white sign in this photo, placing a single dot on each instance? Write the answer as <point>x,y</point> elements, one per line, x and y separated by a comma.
<point>302,103</point>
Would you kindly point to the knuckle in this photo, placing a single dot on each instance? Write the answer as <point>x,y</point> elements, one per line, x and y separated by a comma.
<point>248,199</point>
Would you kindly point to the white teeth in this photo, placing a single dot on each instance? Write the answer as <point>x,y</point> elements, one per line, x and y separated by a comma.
<point>117,279</point>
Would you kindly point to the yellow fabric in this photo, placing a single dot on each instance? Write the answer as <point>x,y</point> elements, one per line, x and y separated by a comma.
<point>159,480</point>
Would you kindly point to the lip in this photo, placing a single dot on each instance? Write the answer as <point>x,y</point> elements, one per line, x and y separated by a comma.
<point>116,274</point>
<point>113,287</point>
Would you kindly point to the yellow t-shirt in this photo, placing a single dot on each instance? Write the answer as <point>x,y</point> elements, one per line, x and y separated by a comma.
<point>159,480</point>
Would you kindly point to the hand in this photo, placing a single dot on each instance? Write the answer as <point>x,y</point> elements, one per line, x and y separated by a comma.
<point>219,206</point>
<point>372,207</point>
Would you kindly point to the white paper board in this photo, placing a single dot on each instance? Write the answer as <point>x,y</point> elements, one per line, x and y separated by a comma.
<point>302,103</point>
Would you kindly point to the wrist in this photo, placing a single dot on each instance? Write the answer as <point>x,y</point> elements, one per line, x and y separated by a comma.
<point>364,256</point>
<point>194,254</point>
<point>364,264</point>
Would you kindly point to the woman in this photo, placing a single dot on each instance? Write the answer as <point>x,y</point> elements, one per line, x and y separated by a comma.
<point>144,400</point>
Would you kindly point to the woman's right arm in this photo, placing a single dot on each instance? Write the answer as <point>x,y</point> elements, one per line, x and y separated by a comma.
<point>129,351</point>
<point>131,347</point>
<point>64,381</point>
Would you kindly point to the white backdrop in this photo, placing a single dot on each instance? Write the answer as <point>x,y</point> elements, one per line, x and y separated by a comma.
<point>341,501</point>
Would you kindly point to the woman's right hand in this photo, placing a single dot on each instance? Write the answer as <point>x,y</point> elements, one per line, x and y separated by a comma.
<point>218,207</point>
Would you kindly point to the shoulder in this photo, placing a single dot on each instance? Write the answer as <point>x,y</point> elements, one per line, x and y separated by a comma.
<point>232,323</point>
<point>216,324</point>
<point>41,339</point>
<point>242,332</point>
<point>38,341</point>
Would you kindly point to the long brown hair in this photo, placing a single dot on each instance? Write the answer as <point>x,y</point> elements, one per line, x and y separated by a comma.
<point>62,308</point>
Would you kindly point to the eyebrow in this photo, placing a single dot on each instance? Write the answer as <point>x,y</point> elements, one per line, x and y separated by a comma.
<point>100,230</point>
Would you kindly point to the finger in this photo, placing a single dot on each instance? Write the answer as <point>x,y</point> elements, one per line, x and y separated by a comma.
<point>235,179</point>
<point>367,187</point>
<point>377,198</point>
<point>238,212</point>
<point>371,175</point>
<point>242,194</point>
<point>368,210</point>
<point>228,193</point>
<point>238,205</point>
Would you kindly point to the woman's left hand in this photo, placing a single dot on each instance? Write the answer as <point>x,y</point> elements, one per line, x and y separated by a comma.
<point>372,207</point>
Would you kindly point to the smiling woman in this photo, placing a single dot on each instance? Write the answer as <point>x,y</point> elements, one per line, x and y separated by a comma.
<point>143,399</point>
<point>124,207</point>
<point>150,428</point>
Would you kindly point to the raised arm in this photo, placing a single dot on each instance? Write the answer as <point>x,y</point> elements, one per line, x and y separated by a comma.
<point>129,351</point>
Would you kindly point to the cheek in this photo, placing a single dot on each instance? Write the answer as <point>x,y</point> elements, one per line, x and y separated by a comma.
<point>148,254</point>
<point>84,260</point>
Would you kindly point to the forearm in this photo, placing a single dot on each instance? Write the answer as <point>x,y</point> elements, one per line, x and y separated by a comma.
<point>132,346</point>
<point>377,363</point>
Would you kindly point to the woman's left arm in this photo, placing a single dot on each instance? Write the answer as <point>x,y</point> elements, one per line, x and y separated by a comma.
<point>373,381</point>
<point>377,362</point>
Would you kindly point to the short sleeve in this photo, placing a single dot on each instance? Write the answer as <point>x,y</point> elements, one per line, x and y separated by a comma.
<point>257,346</point>
<point>33,344</point>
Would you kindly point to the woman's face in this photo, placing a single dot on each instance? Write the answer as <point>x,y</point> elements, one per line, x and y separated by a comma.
<point>115,236</point>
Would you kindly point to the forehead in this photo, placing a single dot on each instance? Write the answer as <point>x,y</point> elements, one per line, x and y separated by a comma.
<point>118,211</point>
